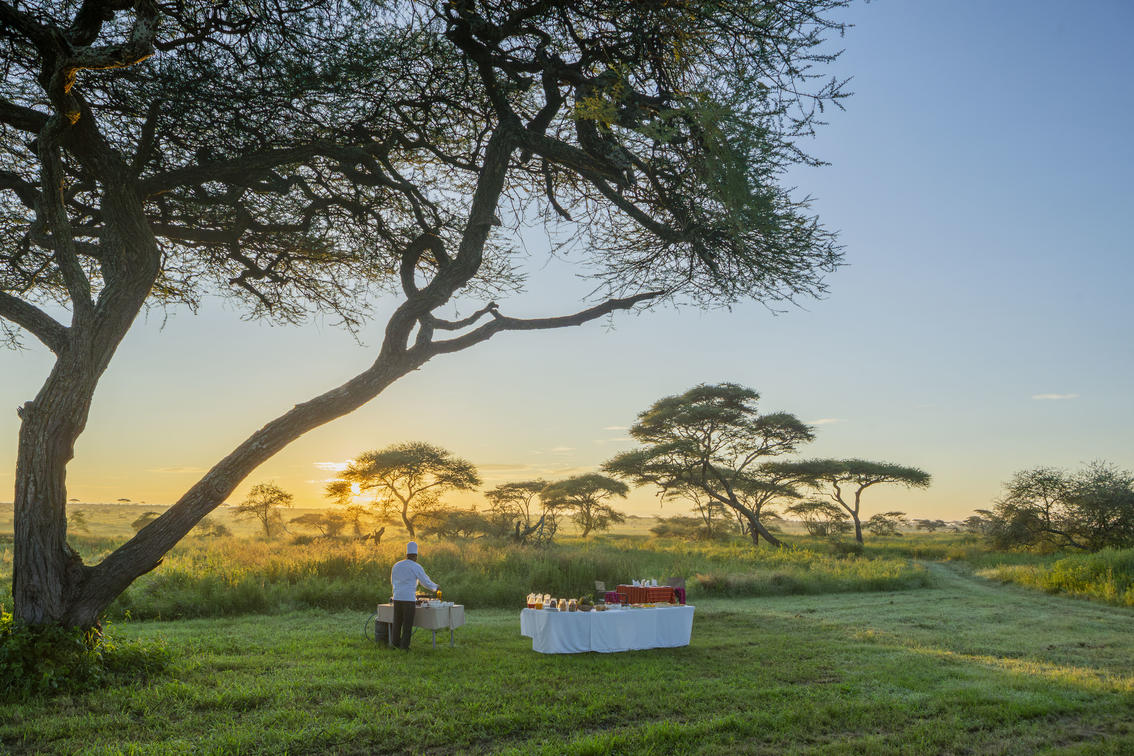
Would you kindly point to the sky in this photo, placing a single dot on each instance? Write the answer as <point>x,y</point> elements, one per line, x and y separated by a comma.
<point>980,179</point>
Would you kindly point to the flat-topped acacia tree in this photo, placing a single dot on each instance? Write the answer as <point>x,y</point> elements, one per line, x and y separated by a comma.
<point>837,478</point>
<point>712,439</point>
<point>312,157</point>
<point>406,481</point>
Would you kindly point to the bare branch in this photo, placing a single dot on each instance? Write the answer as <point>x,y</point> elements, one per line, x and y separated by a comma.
<point>503,323</point>
<point>19,117</point>
<point>35,321</point>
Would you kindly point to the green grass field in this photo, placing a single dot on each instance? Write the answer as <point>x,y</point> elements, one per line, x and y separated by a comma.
<point>968,666</point>
<point>910,648</point>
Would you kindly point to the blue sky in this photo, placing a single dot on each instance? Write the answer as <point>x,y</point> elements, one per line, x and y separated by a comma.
<point>981,181</point>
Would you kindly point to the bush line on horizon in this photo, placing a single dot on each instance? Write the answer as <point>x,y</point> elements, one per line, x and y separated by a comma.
<point>232,576</point>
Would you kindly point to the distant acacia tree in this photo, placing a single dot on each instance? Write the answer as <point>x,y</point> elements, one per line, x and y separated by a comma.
<point>1091,509</point>
<point>328,524</point>
<point>144,519</point>
<point>821,518</point>
<point>931,526</point>
<point>455,523</point>
<point>886,523</point>
<point>980,522</point>
<point>714,516</point>
<point>586,497</point>
<point>310,157</point>
<point>355,516</point>
<point>263,504</point>
<point>405,480</point>
<point>694,528</point>
<point>210,527</point>
<point>712,439</point>
<point>79,520</point>
<point>844,478</point>
<point>516,507</point>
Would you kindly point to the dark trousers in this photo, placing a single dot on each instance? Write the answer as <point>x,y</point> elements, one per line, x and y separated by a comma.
<point>402,628</point>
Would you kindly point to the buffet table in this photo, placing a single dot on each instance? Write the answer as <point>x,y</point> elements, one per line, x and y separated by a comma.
<point>607,632</point>
<point>432,618</point>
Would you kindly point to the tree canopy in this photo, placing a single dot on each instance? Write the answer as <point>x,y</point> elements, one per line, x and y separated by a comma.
<point>516,506</point>
<point>315,156</point>
<point>263,504</point>
<point>1090,509</point>
<point>712,439</point>
<point>840,478</point>
<point>405,481</point>
<point>844,476</point>
<point>587,498</point>
<point>821,518</point>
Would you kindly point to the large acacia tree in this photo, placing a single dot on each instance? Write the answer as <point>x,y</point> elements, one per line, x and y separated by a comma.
<point>845,480</point>
<point>586,497</point>
<point>304,156</point>
<point>713,439</point>
<point>406,481</point>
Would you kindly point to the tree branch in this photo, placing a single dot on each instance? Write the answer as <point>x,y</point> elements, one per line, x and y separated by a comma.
<point>54,215</point>
<point>35,321</point>
<point>26,191</point>
<point>503,323</point>
<point>19,117</point>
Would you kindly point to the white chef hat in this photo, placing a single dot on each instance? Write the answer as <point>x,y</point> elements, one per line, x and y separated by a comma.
<point>411,548</point>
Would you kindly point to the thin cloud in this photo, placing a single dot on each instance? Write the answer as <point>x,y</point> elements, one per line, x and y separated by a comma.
<point>567,470</point>
<point>506,467</point>
<point>616,428</point>
<point>618,440</point>
<point>1054,396</point>
<point>178,470</point>
<point>332,466</point>
<point>563,449</point>
<point>826,421</point>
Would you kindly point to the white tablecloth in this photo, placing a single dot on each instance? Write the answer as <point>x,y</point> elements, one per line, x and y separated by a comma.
<point>607,632</point>
<point>428,617</point>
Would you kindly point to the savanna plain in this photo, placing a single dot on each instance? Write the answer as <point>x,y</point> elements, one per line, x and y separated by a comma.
<point>924,643</point>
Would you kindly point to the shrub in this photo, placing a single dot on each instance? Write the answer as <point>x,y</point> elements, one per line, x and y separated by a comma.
<point>847,548</point>
<point>49,659</point>
<point>1107,575</point>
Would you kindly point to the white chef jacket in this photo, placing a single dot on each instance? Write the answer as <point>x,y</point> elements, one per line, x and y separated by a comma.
<point>405,575</point>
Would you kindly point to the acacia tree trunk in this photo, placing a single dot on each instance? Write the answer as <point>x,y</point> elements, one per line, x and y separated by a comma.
<point>757,529</point>
<point>48,577</point>
<point>407,521</point>
<point>45,569</point>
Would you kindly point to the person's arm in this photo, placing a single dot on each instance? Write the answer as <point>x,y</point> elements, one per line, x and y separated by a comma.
<point>424,579</point>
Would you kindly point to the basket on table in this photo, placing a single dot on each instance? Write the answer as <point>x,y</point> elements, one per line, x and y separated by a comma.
<point>645,594</point>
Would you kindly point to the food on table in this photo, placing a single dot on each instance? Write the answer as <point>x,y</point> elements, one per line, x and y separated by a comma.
<point>562,604</point>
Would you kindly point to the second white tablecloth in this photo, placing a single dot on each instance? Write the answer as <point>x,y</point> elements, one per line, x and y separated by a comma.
<point>607,632</point>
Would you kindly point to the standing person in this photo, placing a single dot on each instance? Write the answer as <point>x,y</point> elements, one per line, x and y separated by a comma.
<point>404,576</point>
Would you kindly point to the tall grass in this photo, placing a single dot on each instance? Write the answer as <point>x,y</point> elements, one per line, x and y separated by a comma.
<point>231,576</point>
<point>1107,575</point>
